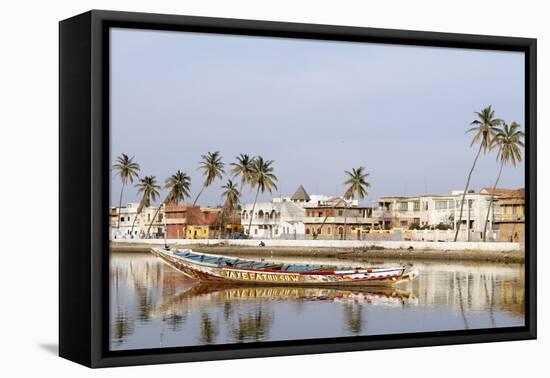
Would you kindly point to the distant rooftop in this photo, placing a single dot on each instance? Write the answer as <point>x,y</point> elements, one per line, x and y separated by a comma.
<point>300,195</point>
<point>507,193</point>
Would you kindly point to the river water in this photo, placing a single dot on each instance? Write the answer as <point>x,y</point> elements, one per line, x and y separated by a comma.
<point>152,305</point>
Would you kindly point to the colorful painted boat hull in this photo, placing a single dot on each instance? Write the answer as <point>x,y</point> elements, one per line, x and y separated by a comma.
<point>213,273</point>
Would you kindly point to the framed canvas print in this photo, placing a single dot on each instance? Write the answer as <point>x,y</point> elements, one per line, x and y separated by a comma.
<point>235,188</point>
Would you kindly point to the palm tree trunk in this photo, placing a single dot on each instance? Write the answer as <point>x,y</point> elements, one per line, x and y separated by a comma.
<point>345,221</point>
<point>119,206</point>
<point>491,202</point>
<point>465,191</point>
<point>345,225</point>
<point>154,217</point>
<point>198,195</point>
<point>134,222</point>
<point>322,224</point>
<point>326,217</point>
<point>220,219</point>
<point>252,212</point>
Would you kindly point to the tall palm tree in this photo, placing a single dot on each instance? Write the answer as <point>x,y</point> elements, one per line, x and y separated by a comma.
<point>127,170</point>
<point>243,168</point>
<point>149,190</point>
<point>178,189</point>
<point>231,195</point>
<point>357,185</point>
<point>509,141</point>
<point>263,179</point>
<point>485,127</point>
<point>212,168</point>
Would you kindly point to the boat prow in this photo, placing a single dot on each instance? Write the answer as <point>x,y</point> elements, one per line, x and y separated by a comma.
<point>214,268</point>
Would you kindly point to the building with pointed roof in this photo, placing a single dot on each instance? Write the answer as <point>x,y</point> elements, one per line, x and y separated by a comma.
<point>300,195</point>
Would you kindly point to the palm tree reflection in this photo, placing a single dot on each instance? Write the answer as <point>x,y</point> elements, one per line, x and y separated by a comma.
<point>209,329</point>
<point>353,315</point>
<point>252,326</point>
<point>122,327</point>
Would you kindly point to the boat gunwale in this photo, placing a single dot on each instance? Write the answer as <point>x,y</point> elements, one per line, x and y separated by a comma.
<point>309,272</point>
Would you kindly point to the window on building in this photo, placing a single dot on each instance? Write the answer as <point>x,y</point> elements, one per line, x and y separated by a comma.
<point>122,219</point>
<point>276,231</point>
<point>329,231</point>
<point>340,213</point>
<point>440,205</point>
<point>307,230</point>
<point>256,231</point>
<point>320,214</point>
<point>148,217</point>
<point>160,217</point>
<point>403,206</point>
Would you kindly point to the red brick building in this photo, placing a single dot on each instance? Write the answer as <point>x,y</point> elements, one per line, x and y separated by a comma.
<point>186,221</point>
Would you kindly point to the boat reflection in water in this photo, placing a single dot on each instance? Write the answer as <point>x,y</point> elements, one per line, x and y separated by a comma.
<point>152,305</point>
<point>204,295</point>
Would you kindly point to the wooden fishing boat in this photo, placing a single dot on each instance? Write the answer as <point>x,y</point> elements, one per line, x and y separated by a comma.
<point>213,268</point>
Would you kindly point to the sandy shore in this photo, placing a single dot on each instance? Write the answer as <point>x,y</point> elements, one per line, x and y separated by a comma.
<point>405,254</point>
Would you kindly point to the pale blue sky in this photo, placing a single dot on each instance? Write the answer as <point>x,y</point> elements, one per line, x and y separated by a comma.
<point>315,107</point>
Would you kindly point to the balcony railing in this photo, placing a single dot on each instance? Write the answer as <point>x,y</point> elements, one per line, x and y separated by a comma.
<point>509,218</point>
<point>339,220</point>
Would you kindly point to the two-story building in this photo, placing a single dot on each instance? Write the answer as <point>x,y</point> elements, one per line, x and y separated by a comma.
<point>433,210</point>
<point>282,218</point>
<point>337,218</point>
<point>127,223</point>
<point>191,222</point>
<point>509,214</point>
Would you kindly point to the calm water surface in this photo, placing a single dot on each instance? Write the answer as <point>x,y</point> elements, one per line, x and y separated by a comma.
<point>153,305</point>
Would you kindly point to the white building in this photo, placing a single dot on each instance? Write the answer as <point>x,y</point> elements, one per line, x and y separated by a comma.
<point>124,225</point>
<point>282,218</point>
<point>433,210</point>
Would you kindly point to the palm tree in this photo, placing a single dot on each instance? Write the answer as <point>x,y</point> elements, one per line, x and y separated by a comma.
<point>485,128</point>
<point>127,170</point>
<point>263,179</point>
<point>178,186</point>
<point>150,192</point>
<point>212,167</point>
<point>231,195</point>
<point>243,168</point>
<point>509,141</point>
<point>357,185</point>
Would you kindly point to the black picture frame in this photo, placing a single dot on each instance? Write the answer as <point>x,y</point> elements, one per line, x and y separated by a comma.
<point>84,187</point>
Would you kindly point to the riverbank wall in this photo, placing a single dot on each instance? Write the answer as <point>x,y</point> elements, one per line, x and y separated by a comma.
<point>409,250</point>
<point>367,244</point>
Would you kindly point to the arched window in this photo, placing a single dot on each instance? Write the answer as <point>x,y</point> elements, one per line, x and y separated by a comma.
<point>261,213</point>
<point>307,230</point>
<point>329,230</point>
<point>340,230</point>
